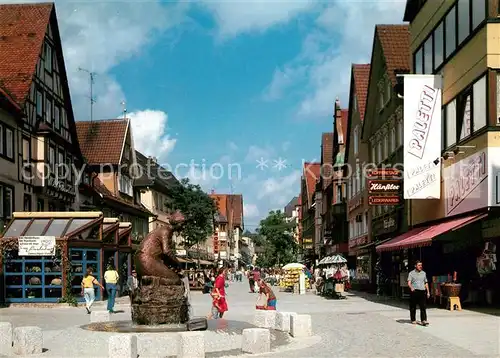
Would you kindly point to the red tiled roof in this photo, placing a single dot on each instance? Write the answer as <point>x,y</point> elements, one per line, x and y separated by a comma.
<point>22,30</point>
<point>361,74</point>
<point>231,207</point>
<point>311,174</point>
<point>102,141</point>
<point>395,43</point>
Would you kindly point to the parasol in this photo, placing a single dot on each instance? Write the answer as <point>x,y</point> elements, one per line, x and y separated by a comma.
<point>291,266</point>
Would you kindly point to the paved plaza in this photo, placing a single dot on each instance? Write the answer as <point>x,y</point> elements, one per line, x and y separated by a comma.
<point>355,327</point>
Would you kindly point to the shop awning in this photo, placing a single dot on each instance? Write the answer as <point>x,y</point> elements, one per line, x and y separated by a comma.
<point>423,236</point>
<point>183,260</point>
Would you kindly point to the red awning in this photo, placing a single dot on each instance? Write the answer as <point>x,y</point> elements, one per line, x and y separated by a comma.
<point>423,236</point>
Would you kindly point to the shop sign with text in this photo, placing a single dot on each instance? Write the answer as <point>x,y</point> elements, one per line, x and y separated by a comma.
<point>384,186</point>
<point>422,136</point>
<point>386,225</point>
<point>466,184</point>
<point>384,200</point>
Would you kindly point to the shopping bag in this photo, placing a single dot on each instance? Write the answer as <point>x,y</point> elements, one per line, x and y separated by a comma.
<point>261,302</point>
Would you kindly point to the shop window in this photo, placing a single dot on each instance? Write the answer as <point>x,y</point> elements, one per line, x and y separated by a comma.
<point>80,260</point>
<point>451,123</point>
<point>428,68</point>
<point>32,278</point>
<point>439,45</point>
<point>479,104</point>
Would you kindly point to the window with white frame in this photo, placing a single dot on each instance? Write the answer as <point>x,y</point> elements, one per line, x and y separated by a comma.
<point>339,193</point>
<point>126,185</point>
<point>351,229</point>
<point>393,140</point>
<point>388,90</point>
<point>364,224</point>
<point>9,143</point>
<point>400,140</point>
<point>356,141</point>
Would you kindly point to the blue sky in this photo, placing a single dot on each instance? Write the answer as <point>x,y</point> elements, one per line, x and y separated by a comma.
<point>222,82</point>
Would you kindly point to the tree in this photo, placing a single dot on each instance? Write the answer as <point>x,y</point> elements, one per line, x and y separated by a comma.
<point>198,209</point>
<point>278,241</point>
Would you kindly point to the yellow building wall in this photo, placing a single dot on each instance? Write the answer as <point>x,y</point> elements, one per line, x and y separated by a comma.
<point>110,181</point>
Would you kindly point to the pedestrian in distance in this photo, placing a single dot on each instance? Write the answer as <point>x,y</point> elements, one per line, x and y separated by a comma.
<point>88,290</point>
<point>419,287</point>
<point>111,277</point>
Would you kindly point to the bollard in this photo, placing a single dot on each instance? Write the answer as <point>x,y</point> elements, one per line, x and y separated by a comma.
<point>256,340</point>
<point>283,321</point>
<point>265,319</point>
<point>191,345</point>
<point>301,325</point>
<point>122,346</point>
<point>5,338</point>
<point>28,340</point>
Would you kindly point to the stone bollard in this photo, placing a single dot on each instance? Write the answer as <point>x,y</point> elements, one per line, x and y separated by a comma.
<point>283,321</point>
<point>300,325</point>
<point>265,319</point>
<point>256,340</point>
<point>28,340</point>
<point>99,316</point>
<point>5,338</point>
<point>191,345</point>
<point>122,346</point>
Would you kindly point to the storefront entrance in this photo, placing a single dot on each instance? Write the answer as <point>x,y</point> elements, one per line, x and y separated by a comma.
<point>81,259</point>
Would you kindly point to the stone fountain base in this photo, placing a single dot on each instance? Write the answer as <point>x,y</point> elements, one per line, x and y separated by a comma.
<point>157,302</point>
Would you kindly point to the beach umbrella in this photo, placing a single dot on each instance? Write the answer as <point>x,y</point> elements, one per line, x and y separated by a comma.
<point>294,265</point>
<point>337,259</point>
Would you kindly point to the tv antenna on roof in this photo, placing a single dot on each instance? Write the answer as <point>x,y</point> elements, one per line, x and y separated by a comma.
<point>92,99</point>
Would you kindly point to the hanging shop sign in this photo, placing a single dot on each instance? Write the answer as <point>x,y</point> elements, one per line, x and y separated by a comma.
<point>37,246</point>
<point>466,184</point>
<point>384,186</point>
<point>386,225</point>
<point>355,203</point>
<point>216,243</point>
<point>422,136</point>
<point>180,252</point>
<point>61,186</point>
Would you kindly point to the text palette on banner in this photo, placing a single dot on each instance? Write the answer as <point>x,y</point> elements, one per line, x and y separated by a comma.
<point>37,245</point>
<point>422,136</point>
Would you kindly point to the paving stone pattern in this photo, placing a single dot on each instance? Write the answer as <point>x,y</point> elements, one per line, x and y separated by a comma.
<point>355,327</point>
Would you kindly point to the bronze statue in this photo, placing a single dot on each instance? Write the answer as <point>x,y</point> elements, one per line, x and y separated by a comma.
<point>160,297</point>
<point>155,253</point>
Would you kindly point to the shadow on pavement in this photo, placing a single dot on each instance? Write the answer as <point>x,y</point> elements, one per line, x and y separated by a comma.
<point>403,321</point>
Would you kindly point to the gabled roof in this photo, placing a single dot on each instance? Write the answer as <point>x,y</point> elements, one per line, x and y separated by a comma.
<point>22,30</point>
<point>361,75</point>
<point>153,173</point>
<point>290,207</point>
<point>230,208</point>
<point>311,174</point>
<point>102,141</point>
<point>395,42</point>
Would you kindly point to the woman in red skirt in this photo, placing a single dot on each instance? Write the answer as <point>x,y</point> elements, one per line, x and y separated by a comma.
<point>220,289</point>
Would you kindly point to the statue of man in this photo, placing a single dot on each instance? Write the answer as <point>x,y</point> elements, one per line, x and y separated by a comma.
<point>157,250</point>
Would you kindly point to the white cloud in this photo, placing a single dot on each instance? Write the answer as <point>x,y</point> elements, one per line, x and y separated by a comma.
<point>98,35</point>
<point>280,189</point>
<point>251,211</point>
<point>256,153</point>
<point>150,138</point>
<point>243,16</point>
<point>342,35</point>
<point>232,146</point>
<point>282,80</point>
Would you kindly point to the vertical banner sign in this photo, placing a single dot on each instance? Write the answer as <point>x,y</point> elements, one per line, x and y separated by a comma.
<point>422,136</point>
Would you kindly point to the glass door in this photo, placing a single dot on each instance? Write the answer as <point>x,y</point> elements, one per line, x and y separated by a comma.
<point>80,260</point>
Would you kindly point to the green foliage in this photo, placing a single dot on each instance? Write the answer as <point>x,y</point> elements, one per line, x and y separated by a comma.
<point>198,209</point>
<point>257,239</point>
<point>276,236</point>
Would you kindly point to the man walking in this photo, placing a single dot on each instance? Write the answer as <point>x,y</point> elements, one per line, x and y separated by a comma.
<point>419,287</point>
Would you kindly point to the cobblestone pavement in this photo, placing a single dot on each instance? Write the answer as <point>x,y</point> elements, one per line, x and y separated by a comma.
<point>355,327</point>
